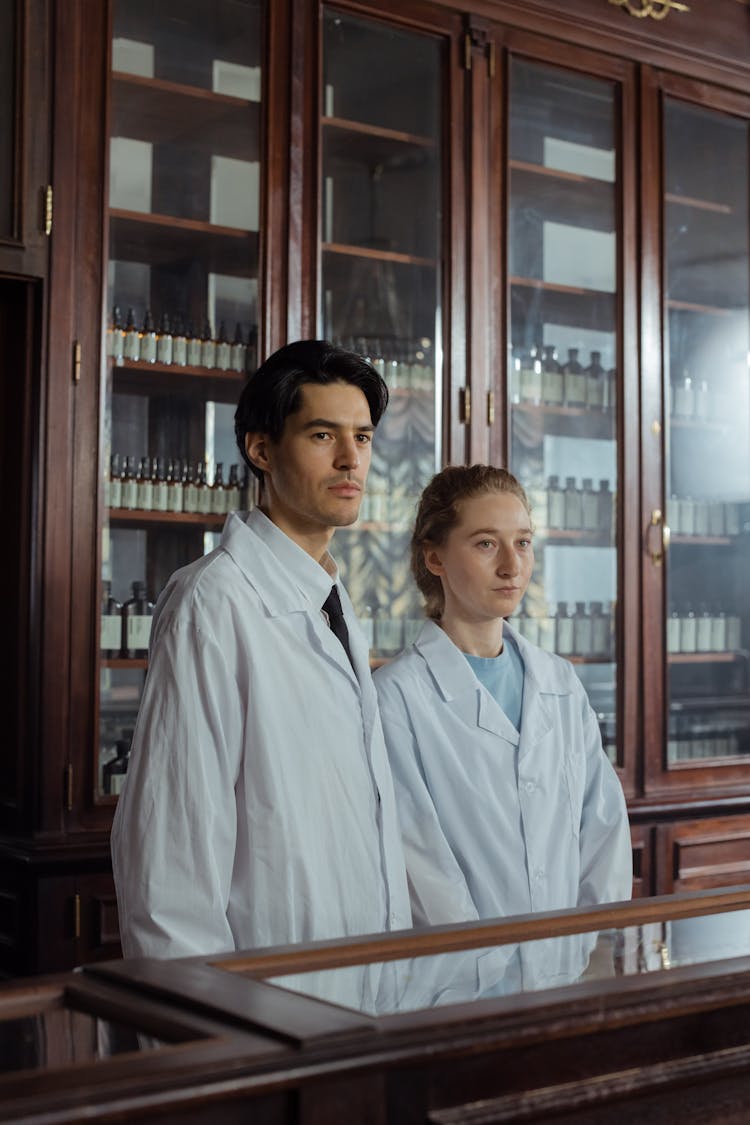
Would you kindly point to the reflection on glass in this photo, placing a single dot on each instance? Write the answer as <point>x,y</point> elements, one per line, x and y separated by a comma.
<point>184,176</point>
<point>707,390</point>
<point>7,114</point>
<point>61,1036</point>
<point>380,268</point>
<point>563,381</point>
<point>451,978</point>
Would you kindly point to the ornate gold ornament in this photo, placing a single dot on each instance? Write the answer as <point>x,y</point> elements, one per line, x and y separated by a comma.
<point>657,9</point>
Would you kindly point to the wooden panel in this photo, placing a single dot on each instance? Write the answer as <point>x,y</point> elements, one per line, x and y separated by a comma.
<point>642,837</point>
<point>700,854</point>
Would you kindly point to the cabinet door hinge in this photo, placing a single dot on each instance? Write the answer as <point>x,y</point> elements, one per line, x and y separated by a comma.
<point>490,407</point>
<point>77,916</point>
<point>466,405</point>
<point>48,210</point>
<point>69,787</point>
<point>477,39</point>
<point>76,361</point>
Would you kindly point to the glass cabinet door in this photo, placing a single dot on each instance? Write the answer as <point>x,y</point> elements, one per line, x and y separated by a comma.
<point>564,364</point>
<point>707,435</point>
<point>182,314</point>
<point>381,242</point>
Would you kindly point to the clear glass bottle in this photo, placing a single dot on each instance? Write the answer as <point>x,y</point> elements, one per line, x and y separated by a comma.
<point>204,492</point>
<point>116,336</point>
<point>555,504</point>
<point>179,343</point>
<point>718,631</point>
<point>600,623</point>
<point>595,383</point>
<point>110,637</point>
<point>589,506</point>
<point>164,341</point>
<point>582,631</point>
<point>113,493</point>
<point>606,508</point>
<point>564,631</point>
<point>208,346</point>
<point>574,380</point>
<point>144,487</point>
<point>148,339</point>
<point>223,349</point>
<point>129,488</point>
<point>531,377</point>
<point>159,487</point>
<point>573,505</point>
<point>194,348</point>
<point>232,499</point>
<point>137,615</point>
<point>237,351</point>
<point>189,490</point>
<point>688,631</point>
<point>674,630</point>
<point>552,377</point>
<point>219,491</point>
<point>174,487</point>
<point>131,345</point>
<point>703,630</point>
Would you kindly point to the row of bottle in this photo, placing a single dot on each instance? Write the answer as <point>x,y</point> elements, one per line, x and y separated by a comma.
<point>686,516</point>
<point>125,630</point>
<point>708,630</point>
<point>572,508</point>
<point>537,377</point>
<point>177,345</point>
<point>174,486</point>
<point>690,399</point>
<point>587,632</point>
<point>692,748</point>
<point>403,363</point>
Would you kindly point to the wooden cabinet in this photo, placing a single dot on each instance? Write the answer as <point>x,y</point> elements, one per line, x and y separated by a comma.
<point>532,218</point>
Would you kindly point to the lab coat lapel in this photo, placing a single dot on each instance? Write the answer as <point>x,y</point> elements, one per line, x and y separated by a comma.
<point>459,686</point>
<point>539,682</point>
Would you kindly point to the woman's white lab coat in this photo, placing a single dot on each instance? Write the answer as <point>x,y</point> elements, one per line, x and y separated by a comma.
<point>258,807</point>
<point>496,823</point>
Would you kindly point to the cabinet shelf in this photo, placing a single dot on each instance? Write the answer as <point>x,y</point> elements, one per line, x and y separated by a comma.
<point>679,423</point>
<point>560,419</point>
<point>590,538</point>
<point>698,204</point>
<point>368,253</point>
<point>136,377</point>
<point>562,304</point>
<point>702,540</point>
<point>139,517</point>
<point>704,657</point>
<point>124,664</point>
<point>157,111</point>
<point>375,146</point>
<point>692,306</point>
<point>564,197</point>
<point>160,240</point>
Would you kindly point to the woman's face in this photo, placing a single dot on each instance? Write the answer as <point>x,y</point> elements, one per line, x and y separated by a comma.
<point>486,561</point>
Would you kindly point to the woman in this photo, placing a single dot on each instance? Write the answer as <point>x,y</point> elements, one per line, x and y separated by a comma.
<point>507,801</point>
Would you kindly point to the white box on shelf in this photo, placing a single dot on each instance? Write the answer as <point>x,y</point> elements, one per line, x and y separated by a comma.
<point>130,165</point>
<point>132,57</point>
<point>234,192</point>
<point>236,80</point>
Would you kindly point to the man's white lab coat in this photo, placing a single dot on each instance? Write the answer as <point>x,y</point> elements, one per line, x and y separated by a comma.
<point>258,807</point>
<point>496,823</point>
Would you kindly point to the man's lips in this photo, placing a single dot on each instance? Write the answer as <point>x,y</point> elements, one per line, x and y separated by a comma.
<point>347,488</point>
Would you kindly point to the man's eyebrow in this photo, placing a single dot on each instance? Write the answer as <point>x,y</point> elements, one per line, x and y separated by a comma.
<point>327,424</point>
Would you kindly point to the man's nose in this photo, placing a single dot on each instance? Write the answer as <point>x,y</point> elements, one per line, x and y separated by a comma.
<point>347,453</point>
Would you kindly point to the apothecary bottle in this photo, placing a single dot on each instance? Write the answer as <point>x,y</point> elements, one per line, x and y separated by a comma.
<point>110,641</point>
<point>137,615</point>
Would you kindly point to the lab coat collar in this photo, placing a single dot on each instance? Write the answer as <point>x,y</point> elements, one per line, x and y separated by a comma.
<point>288,580</point>
<point>459,687</point>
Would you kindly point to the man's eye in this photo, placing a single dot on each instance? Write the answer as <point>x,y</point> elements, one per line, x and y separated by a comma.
<point>365,439</point>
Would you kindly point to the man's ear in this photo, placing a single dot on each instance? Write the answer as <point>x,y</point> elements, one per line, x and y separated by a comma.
<point>257,449</point>
<point>432,560</point>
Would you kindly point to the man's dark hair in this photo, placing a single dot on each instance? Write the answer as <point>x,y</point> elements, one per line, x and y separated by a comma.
<point>272,393</point>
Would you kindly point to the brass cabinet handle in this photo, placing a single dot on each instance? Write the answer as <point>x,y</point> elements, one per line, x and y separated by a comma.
<point>657,520</point>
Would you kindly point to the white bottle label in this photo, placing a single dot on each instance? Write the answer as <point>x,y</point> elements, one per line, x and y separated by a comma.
<point>552,387</point>
<point>179,350</point>
<point>145,495</point>
<point>565,639</point>
<point>190,498</point>
<point>115,493</point>
<point>129,493</point>
<point>174,503</point>
<point>703,633</point>
<point>204,500</point>
<point>194,350</point>
<point>148,348</point>
<point>687,634</point>
<point>138,631</point>
<point>131,348</point>
<point>223,355</point>
<point>164,349</point>
<point>575,388</point>
<point>160,496</point>
<point>237,357</point>
<point>111,632</point>
<point>219,501</point>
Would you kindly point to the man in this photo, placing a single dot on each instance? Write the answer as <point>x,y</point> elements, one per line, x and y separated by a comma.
<point>259,805</point>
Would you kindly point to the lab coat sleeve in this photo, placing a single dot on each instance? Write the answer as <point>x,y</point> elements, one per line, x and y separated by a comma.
<point>437,887</point>
<point>605,847</point>
<point>174,835</point>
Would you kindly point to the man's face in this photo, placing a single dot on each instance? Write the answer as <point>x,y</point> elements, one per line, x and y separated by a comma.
<point>316,472</point>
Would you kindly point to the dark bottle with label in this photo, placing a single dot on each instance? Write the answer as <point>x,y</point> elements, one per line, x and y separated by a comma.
<point>114,771</point>
<point>131,345</point>
<point>148,339</point>
<point>116,336</point>
<point>164,341</point>
<point>110,637</point>
<point>137,614</point>
<point>179,343</point>
<point>223,349</point>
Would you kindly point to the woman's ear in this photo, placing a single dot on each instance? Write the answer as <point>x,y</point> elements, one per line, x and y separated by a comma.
<point>431,556</point>
<point>256,447</point>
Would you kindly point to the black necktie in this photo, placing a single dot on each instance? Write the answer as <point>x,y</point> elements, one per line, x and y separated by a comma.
<point>332,606</point>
